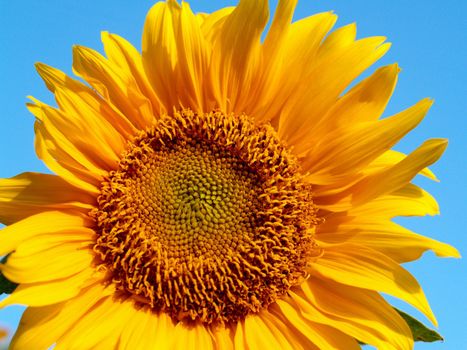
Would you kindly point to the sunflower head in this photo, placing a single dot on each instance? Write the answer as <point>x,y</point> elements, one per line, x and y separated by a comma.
<point>219,191</point>
<point>207,218</point>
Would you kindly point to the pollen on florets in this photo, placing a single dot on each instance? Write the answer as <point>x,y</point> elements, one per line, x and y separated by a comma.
<point>206,218</point>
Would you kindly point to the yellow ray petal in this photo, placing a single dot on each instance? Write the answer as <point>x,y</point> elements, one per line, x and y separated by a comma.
<point>56,262</point>
<point>340,153</point>
<point>114,83</point>
<point>409,200</point>
<point>360,313</point>
<point>395,241</point>
<point>137,331</point>
<point>277,322</point>
<point>223,337</point>
<point>239,336</point>
<point>30,193</point>
<point>50,222</point>
<point>27,335</point>
<point>270,83</point>
<point>192,338</point>
<point>390,158</point>
<point>163,326</point>
<point>103,322</point>
<point>160,50</point>
<point>280,23</point>
<point>40,327</point>
<point>176,56</point>
<point>94,136</point>
<point>362,267</point>
<point>365,102</point>
<point>54,79</point>
<point>69,131</point>
<point>381,163</point>
<point>35,245</point>
<point>336,65</point>
<point>47,293</point>
<point>286,60</point>
<point>401,173</point>
<point>120,52</point>
<point>260,334</point>
<point>235,64</point>
<point>384,182</point>
<point>211,24</point>
<point>60,162</point>
<point>322,336</point>
<point>194,56</point>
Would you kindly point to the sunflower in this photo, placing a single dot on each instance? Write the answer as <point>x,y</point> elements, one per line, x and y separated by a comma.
<point>219,191</point>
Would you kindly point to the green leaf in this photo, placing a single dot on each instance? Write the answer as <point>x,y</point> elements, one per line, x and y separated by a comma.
<point>419,331</point>
<point>6,286</point>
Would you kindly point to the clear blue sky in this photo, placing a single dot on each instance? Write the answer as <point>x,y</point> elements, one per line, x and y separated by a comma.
<point>429,43</point>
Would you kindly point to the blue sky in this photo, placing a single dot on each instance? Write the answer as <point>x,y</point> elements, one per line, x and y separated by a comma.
<point>429,43</point>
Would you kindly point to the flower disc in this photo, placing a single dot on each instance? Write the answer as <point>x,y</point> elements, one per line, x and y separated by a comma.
<point>206,218</point>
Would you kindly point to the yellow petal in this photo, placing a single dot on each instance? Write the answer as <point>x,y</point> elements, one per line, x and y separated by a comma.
<point>239,336</point>
<point>56,262</point>
<point>29,335</point>
<point>147,330</point>
<point>192,338</point>
<point>61,163</point>
<point>194,56</point>
<point>337,63</point>
<point>260,334</point>
<point>384,182</point>
<point>69,133</point>
<point>50,222</point>
<point>103,322</point>
<point>94,136</point>
<point>390,158</point>
<point>322,336</point>
<point>343,152</point>
<point>40,327</point>
<point>365,102</point>
<point>47,293</point>
<point>277,322</point>
<point>211,24</point>
<point>223,338</point>
<point>114,83</point>
<point>409,200</point>
<point>286,60</point>
<point>360,313</point>
<point>401,173</point>
<point>160,50</point>
<point>176,56</point>
<point>280,24</point>
<point>54,79</point>
<point>82,237</point>
<point>394,241</point>
<point>30,193</point>
<point>361,267</point>
<point>235,65</point>
<point>120,52</point>
<point>163,326</point>
<point>270,84</point>
<point>135,333</point>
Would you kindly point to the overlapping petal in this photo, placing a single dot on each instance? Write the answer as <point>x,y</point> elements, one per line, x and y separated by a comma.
<point>31,193</point>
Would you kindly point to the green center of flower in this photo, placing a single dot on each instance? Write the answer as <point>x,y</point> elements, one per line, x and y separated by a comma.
<point>206,218</point>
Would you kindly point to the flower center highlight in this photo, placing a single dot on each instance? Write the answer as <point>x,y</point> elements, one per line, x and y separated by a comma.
<point>206,218</point>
